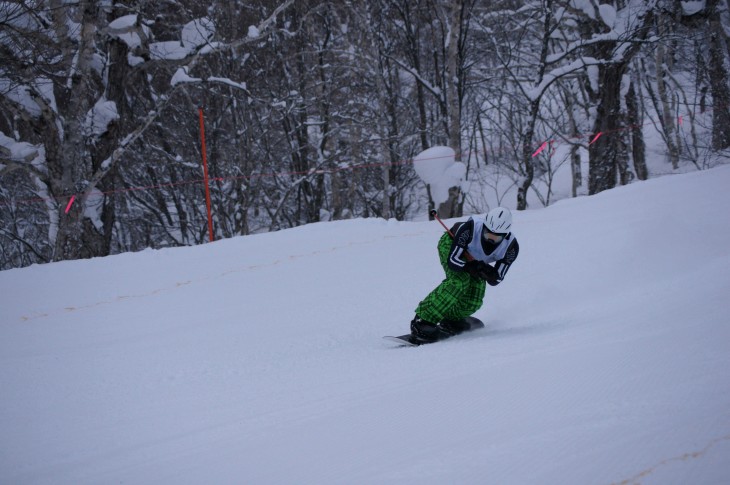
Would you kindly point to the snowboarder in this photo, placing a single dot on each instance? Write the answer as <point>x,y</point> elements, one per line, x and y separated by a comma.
<point>465,253</point>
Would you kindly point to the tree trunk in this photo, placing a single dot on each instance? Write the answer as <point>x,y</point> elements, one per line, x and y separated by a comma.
<point>527,168</point>
<point>606,151</point>
<point>72,166</point>
<point>575,169</point>
<point>667,111</point>
<point>719,81</point>
<point>451,207</point>
<point>638,148</point>
<point>452,76</point>
<point>412,29</point>
<point>575,162</point>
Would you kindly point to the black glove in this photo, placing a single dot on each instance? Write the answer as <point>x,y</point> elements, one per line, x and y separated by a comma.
<point>472,267</point>
<point>481,270</point>
<point>492,277</point>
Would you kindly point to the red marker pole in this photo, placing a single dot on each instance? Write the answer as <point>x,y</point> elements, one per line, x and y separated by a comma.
<point>435,215</point>
<point>205,176</point>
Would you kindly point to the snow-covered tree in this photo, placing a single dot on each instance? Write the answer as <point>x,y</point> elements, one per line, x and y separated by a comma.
<point>314,109</point>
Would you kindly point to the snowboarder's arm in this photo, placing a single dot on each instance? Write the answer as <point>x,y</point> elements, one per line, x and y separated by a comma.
<point>463,233</point>
<point>503,264</point>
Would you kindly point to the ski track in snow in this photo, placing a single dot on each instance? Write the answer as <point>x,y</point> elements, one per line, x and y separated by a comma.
<point>179,284</point>
<point>260,360</point>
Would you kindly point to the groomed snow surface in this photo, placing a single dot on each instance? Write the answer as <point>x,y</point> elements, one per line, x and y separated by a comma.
<point>605,360</point>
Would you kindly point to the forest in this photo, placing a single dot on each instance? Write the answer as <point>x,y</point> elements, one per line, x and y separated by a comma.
<point>313,110</point>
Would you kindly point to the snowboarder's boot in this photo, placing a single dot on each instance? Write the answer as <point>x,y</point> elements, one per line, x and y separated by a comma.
<point>455,327</point>
<point>427,332</point>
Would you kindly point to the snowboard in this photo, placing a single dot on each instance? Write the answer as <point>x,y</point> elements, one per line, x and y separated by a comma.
<point>408,341</point>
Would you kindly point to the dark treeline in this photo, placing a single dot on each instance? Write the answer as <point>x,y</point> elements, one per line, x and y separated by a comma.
<point>313,109</point>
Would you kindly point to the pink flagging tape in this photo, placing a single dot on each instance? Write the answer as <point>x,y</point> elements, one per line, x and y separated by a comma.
<point>596,138</point>
<point>542,147</point>
<point>70,203</point>
<point>680,120</point>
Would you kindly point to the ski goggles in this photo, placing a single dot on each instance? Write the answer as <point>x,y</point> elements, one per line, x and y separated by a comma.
<point>494,237</point>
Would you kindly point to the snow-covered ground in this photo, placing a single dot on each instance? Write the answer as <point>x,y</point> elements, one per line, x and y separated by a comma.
<point>606,357</point>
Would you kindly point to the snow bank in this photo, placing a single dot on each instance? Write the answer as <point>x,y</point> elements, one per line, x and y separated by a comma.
<point>100,116</point>
<point>259,359</point>
<point>17,150</point>
<point>194,34</point>
<point>125,29</point>
<point>437,167</point>
<point>181,76</point>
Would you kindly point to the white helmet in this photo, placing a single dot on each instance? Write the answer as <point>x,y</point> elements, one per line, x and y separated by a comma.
<point>499,220</point>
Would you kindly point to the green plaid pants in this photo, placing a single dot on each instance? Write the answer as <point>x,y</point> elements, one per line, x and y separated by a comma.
<point>458,296</point>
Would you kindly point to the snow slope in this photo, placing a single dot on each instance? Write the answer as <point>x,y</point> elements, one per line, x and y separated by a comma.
<point>260,360</point>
